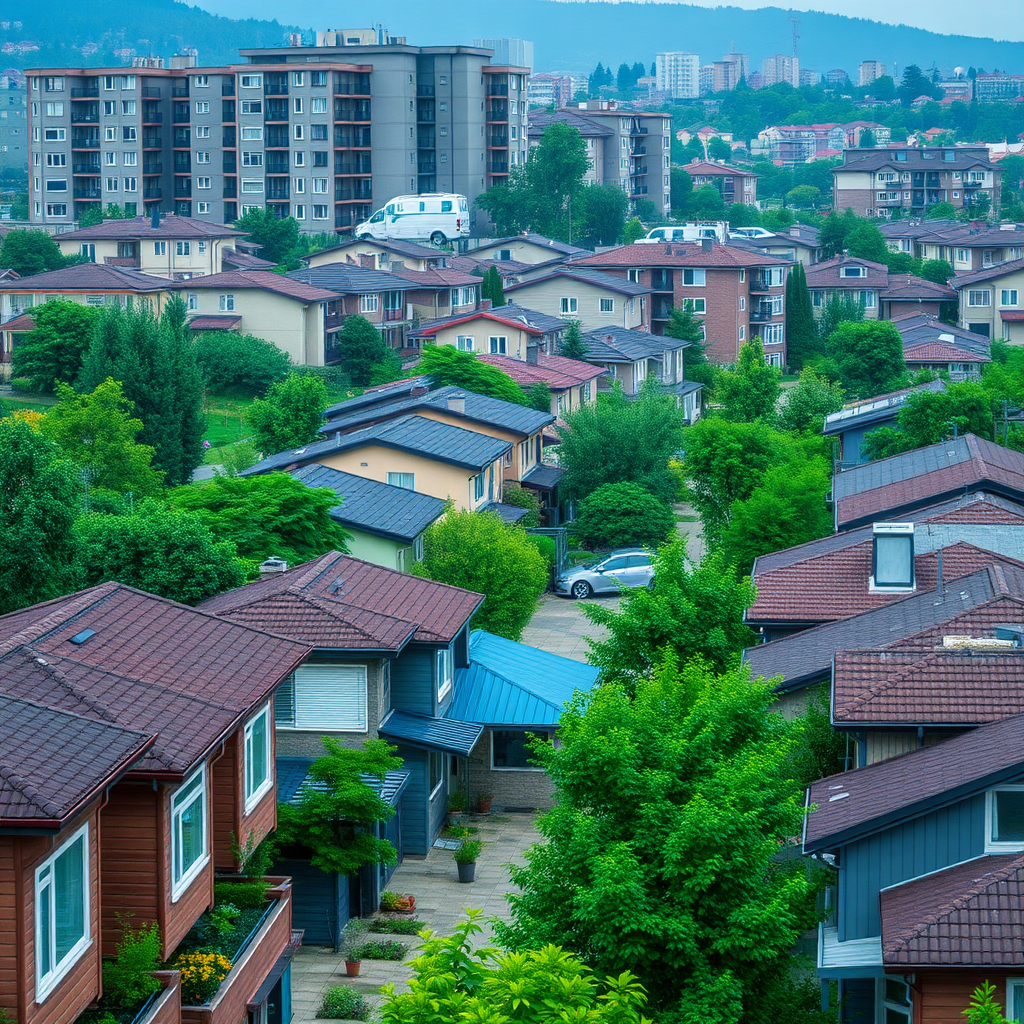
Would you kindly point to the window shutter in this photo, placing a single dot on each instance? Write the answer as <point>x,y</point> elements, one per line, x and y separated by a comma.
<point>284,702</point>
<point>330,697</point>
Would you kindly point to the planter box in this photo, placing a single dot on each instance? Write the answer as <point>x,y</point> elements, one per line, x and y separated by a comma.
<point>228,1006</point>
<point>167,1007</point>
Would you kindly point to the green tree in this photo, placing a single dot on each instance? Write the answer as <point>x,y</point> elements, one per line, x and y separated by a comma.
<point>681,185</point>
<point>941,211</point>
<point>335,816</point>
<point>633,230</point>
<point>838,310</point>
<point>555,173</point>
<point>719,149</point>
<point>269,515</point>
<point>290,416</point>
<point>479,552</point>
<point>93,215</point>
<point>39,500</point>
<point>868,139</point>
<point>751,390</point>
<point>360,347</point>
<point>869,356</point>
<point>866,242</point>
<point>803,196</point>
<point>984,1007</point>
<point>29,251</point>
<point>158,549</point>
<point>55,347</point>
<point>939,271</point>
<point>447,365</point>
<point>279,236</point>
<point>617,440</point>
<point>801,335</point>
<point>684,326</point>
<point>809,402</point>
<point>230,360</point>
<point>834,230</point>
<point>572,345</point>
<point>706,203</point>
<point>600,214</point>
<point>538,397</point>
<point>456,980</point>
<point>694,610</point>
<point>632,874</point>
<point>622,515</point>
<point>491,287</point>
<point>96,432</point>
<point>155,361</point>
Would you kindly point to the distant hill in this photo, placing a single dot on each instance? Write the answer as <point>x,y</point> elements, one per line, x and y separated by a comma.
<point>568,36</point>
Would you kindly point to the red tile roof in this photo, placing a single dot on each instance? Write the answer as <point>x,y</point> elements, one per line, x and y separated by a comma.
<point>678,254</point>
<point>707,167</point>
<point>171,226</point>
<point>19,323</point>
<point>343,602</point>
<point>429,329</point>
<point>265,280</point>
<point>941,352</point>
<point>89,277</point>
<point>1012,315</point>
<point>911,287</point>
<point>555,371</point>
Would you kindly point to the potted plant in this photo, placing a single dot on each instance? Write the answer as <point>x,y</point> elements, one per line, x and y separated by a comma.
<point>465,859</point>
<point>351,941</point>
<point>483,802</point>
<point>456,806</point>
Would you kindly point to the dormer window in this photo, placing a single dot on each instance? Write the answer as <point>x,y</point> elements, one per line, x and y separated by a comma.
<point>1004,819</point>
<point>893,557</point>
<point>853,272</point>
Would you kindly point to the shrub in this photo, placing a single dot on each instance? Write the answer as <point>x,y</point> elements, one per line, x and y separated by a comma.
<point>201,975</point>
<point>240,361</point>
<point>545,545</point>
<point>127,978</point>
<point>343,1003</point>
<point>396,925</point>
<point>457,801</point>
<point>244,895</point>
<point>622,515</point>
<point>389,900</point>
<point>389,949</point>
<point>522,497</point>
<point>334,377</point>
<point>22,385</point>
<point>468,852</point>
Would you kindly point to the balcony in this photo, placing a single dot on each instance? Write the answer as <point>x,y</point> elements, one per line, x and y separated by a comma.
<point>152,193</point>
<point>182,138</point>
<point>88,193</point>
<point>425,113</point>
<point>498,140</point>
<point>497,111</point>
<point>84,167</point>
<point>763,312</point>
<point>277,137</point>
<point>359,138</point>
<point>278,190</point>
<point>277,110</point>
<point>182,188</point>
<point>230,190</point>
<point>227,88</point>
<point>638,151</point>
<point>85,117</point>
<point>661,280</point>
<point>426,166</point>
<point>495,89</point>
<point>351,83</point>
<point>182,166</point>
<point>181,113</point>
<point>150,92</point>
<point>355,163</point>
<point>637,171</point>
<point>497,166</point>
<point>230,162</point>
<point>179,90</point>
<point>352,110</point>
<point>87,92</point>
<point>425,90</point>
<point>85,141</point>
<point>358,191</point>
<point>275,84</point>
<point>760,283</point>
<point>277,163</point>
<point>152,117</point>
<point>151,140</point>
<point>390,315</point>
<point>637,190</point>
<point>252,963</point>
<point>661,309</point>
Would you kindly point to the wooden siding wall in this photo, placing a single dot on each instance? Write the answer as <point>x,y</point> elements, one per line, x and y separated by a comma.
<point>414,801</point>
<point>883,745</point>
<point>19,857</point>
<point>412,680</point>
<point>941,998</point>
<point>944,837</point>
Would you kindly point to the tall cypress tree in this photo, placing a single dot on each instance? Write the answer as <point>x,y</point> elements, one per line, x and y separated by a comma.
<point>492,288</point>
<point>802,340</point>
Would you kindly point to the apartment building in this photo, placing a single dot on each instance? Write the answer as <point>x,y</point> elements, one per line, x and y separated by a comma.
<point>998,86</point>
<point>677,74</point>
<point>289,131</point>
<point>869,71</point>
<point>780,68</point>
<point>793,144</point>
<point>628,148</point>
<point>855,133</point>
<point>874,182</point>
<point>13,120</point>
<point>546,90</point>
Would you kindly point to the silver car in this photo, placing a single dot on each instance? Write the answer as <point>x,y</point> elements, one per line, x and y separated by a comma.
<point>625,567</point>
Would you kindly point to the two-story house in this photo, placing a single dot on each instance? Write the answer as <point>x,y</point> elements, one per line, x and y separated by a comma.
<point>525,248</point>
<point>158,722</point>
<point>990,301</point>
<point>930,344</point>
<point>735,292</point>
<point>377,254</point>
<point>509,330</point>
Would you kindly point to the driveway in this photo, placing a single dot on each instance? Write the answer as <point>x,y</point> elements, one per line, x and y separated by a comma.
<point>560,627</point>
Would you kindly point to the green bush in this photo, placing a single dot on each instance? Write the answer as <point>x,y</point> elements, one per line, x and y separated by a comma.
<point>335,379</point>
<point>240,361</point>
<point>396,925</point>
<point>22,385</point>
<point>343,1003</point>
<point>244,895</point>
<point>521,497</point>
<point>128,978</point>
<point>545,545</point>
<point>389,949</point>
<point>468,852</point>
<point>622,515</point>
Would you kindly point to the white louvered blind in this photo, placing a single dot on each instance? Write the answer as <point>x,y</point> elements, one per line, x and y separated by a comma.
<point>328,697</point>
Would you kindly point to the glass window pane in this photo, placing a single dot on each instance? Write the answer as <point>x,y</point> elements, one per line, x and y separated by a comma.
<point>191,819</point>
<point>1017,1005</point>
<point>893,561</point>
<point>893,1016</point>
<point>511,750</point>
<point>258,760</point>
<point>45,929</point>
<point>69,897</point>
<point>1008,816</point>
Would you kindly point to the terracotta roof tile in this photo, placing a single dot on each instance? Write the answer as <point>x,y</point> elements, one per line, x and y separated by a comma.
<point>942,352</point>
<point>170,226</point>
<point>555,371</point>
<point>265,280</point>
<point>678,254</point>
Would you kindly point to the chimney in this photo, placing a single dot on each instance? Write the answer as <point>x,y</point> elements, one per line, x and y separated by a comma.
<point>485,304</point>
<point>272,566</point>
<point>154,222</point>
<point>707,244</point>
<point>532,352</point>
<point>368,260</point>
<point>457,404</point>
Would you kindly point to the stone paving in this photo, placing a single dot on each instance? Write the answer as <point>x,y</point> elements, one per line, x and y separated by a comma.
<point>440,902</point>
<point>560,627</point>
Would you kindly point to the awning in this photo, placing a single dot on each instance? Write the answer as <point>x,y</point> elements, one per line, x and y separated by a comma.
<point>543,478</point>
<point>442,734</point>
<point>293,779</point>
<point>214,323</point>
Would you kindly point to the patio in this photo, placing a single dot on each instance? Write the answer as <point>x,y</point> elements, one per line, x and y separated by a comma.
<point>440,902</point>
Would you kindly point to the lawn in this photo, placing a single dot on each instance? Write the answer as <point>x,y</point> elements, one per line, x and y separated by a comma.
<point>37,403</point>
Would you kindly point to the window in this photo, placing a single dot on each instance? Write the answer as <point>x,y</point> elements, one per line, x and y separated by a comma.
<point>896,1001</point>
<point>299,159</point>
<point>464,343</point>
<point>510,750</point>
<point>298,132</point>
<point>1008,297</point>
<point>110,134</point>
<point>61,911</point>
<point>182,248</point>
<point>257,758</point>
<point>568,304</point>
<point>318,105</point>
<point>319,212</point>
<point>202,157</point>
<point>54,109</point>
<point>607,305</point>
<point>54,134</point>
<point>1015,999</point>
<point>444,663</point>
<point>318,78</point>
<point>129,133</point>
<point>202,106</point>
<point>299,185</point>
<point>407,481</point>
<point>497,345</point>
<point>56,209</point>
<point>979,297</point>
<point>299,78</point>
<point>131,184</point>
<point>131,160</point>
<point>867,299</point>
<point>693,277</point>
<point>53,84</point>
<point>95,300</point>
<point>128,108</point>
<point>318,132</point>
<point>478,486</point>
<point>436,769</point>
<point>962,256</point>
<point>320,186</point>
<point>853,272</point>
<point>252,185</point>
<point>88,250</point>
<point>202,131</point>
<point>893,560</point>
<point>159,248</point>
<point>110,159</point>
<point>299,211</point>
<point>323,697</point>
<point>252,134</point>
<point>699,305</point>
<point>368,303</point>
<point>252,81</point>
<point>226,303</point>
<point>743,332</point>
<point>188,832</point>
<point>193,301</point>
<point>201,81</point>
<point>56,160</point>
<point>252,158</point>
<point>1004,819</point>
<point>297,105</point>
<point>252,106</point>
<point>56,184</point>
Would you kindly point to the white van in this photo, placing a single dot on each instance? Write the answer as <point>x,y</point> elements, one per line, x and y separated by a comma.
<point>687,232</point>
<point>437,217</point>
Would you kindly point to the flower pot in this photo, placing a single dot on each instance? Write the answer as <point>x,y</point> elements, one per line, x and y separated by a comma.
<point>455,817</point>
<point>467,872</point>
<point>352,968</point>
<point>483,805</point>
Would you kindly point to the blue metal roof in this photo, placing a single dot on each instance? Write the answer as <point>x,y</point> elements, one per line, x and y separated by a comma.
<point>453,737</point>
<point>512,684</point>
<point>292,773</point>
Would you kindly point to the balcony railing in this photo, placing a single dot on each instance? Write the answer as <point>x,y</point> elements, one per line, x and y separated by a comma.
<point>86,168</point>
<point>152,193</point>
<point>230,190</point>
<point>355,163</point>
<point>276,191</point>
<point>150,92</point>
<point>760,284</point>
<point>497,90</point>
<point>151,141</point>
<point>344,194</point>
<point>359,138</point>
<point>82,118</point>
<point>85,142</point>
<point>498,140</point>
<point>152,117</point>
<point>762,313</point>
<point>352,110</point>
<point>88,92</point>
<point>180,91</point>
<point>87,193</point>
<point>497,112</point>
<point>497,167</point>
<point>394,314</point>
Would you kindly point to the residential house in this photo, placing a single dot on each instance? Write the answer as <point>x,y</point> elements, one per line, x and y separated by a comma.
<point>850,424</point>
<point>572,382</point>
<point>158,724</point>
<point>525,248</point>
<point>855,133</point>
<point>378,254</point>
<point>704,133</point>
<point>508,330</point>
<point>927,856</point>
<point>930,344</point>
<point>164,245</point>
<point>385,523</point>
<point>737,185</point>
<point>974,246</point>
<point>422,454</point>
<point>800,244</point>
<point>894,487</point>
<point>875,182</point>
<point>11,333</point>
<point>990,301</point>
<point>580,292</point>
<point>919,328</point>
<point>735,292</point>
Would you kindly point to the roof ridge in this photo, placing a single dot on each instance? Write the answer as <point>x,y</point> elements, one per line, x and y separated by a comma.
<point>28,791</point>
<point>78,604</point>
<point>336,608</point>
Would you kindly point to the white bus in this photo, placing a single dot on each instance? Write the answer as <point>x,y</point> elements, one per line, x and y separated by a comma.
<point>438,217</point>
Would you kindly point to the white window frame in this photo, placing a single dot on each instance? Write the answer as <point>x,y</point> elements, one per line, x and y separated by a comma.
<point>45,984</point>
<point>1012,984</point>
<point>251,81</point>
<point>182,248</point>
<point>606,305</point>
<point>360,683</point>
<point>369,303</point>
<point>568,304</point>
<point>465,342</point>
<point>888,1005</point>
<point>398,480</point>
<point>181,884</point>
<point>444,668</point>
<point>253,795</point>
<point>984,294</point>
<point>990,802</point>
<point>497,344</point>
<point>226,302</point>
<point>1004,301</point>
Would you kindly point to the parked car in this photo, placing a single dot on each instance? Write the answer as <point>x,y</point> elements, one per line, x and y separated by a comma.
<point>624,567</point>
<point>750,233</point>
<point>439,217</point>
<point>687,232</point>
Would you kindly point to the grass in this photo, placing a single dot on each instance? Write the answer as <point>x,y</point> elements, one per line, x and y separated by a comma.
<point>21,400</point>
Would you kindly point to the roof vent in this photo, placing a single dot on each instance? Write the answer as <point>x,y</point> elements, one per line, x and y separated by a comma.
<point>947,337</point>
<point>80,638</point>
<point>457,404</point>
<point>338,586</point>
<point>272,566</point>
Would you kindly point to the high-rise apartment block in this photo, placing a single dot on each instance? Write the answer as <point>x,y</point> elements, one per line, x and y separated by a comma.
<point>780,68</point>
<point>323,133</point>
<point>678,74</point>
<point>13,120</point>
<point>870,70</point>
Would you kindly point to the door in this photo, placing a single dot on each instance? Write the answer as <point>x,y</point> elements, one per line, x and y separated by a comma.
<point>613,574</point>
<point>637,570</point>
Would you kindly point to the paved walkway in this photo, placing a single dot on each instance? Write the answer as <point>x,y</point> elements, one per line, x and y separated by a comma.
<point>440,903</point>
<point>560,627</point>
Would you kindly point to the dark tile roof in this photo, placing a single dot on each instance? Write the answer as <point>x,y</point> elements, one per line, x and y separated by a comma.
<point>438,277</point>
<point>543,477</point>
<point>916,328</point>
<point>381,394</point>
<point>919,229</point>
<point>171,226</point>
<point>490,412</point>
<point>264,280</point>
<point>878,409</point>
<point>86,277</point>
<point>553,244</point>
<point>941,352</point>
<point>53,762</point>
<point>680,254</point>
<point>510,314</point>
<point>292,780</point>
<point>416,434</point>
<point>988,273</point>
<point>912,288</point>
<point>807,656</point>
<point>235,259</point>
<point>214,323</point>
<point>967,915</point>
<point>575,272</point>
<point>372,608</point>
<point>587,127</point>
<point>434,733</point>
<point>890,486</point>
<point>624,345</point>
<point>557,372</point>
<point>917,159</point>
<point>393,512</point>
<point>858,802</point>
<point>122,656</point>
<point>400,248</point>
<point>350,278</point>
<point>508,513</point>
<point>826,274</point>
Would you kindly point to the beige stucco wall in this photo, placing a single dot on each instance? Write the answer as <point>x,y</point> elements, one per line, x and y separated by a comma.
<point>990,315</point>
<point>481,330</point>
<point>15,303</point>
<point>365,248</point>
<point>523,251</point>
<point>207,261</point>
<point>545,297</point>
